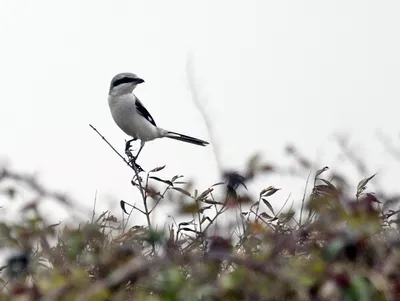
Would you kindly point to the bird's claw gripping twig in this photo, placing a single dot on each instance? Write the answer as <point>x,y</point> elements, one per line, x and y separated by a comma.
<point>132,161</point>
<point>131,157</point>
<point>138,167</point>
<point>128,145</point>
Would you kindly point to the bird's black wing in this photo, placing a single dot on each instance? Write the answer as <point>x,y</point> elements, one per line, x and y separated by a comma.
<point>143,111</point>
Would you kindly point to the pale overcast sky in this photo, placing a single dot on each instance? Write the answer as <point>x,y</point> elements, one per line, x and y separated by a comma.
<point>268,73</point>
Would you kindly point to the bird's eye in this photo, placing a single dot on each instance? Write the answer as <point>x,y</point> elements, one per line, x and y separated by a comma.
<point>123,80</point>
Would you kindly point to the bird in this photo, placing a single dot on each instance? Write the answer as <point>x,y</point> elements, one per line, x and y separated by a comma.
<point>133,118</point>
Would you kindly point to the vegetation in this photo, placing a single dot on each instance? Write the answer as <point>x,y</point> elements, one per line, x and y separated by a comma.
<point>338,245</point>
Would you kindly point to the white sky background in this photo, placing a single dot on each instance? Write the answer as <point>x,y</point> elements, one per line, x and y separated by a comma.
<point>269,73</point>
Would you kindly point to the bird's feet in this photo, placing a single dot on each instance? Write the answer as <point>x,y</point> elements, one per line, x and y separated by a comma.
<point>128,151</point>
<point>132,162</point>
<point>131,157</point>
<point>128,145</point>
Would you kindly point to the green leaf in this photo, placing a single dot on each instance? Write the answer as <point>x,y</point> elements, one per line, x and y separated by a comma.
<point>189,208</point>
<point>334,249</point>
<point>154,237</point>
<point>359,289</point>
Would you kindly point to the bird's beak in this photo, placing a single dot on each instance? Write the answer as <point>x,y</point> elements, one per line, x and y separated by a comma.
<point>139,81</point>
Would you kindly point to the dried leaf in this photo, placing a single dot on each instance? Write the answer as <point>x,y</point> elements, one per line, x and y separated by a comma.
<point>185,223</point>
<point>270,190</point>
<point>157,169</point>
<point>268,205</point>
<point>151,192</point>
<point>255,227</point>
<point>253,162</point>
<point>188,229</point>
<point>181,190</point>
<point>53,225</point>
<point>205,218</point>
<point>265,190</point>
<point>104,213</point>
<point>328,183</point>
<point>217,184</point>
<point>255,204</point>
<point>320,171</point>
<point>267,167</point>
<point>363,184</point>
<point>325,190</point>
<point>202,209</point>
<point>265,215</point>
<point>122,205</point>
<point>175,178</point>
<point>204,194</point>
<point>285,217</point>
<point>245,199</point>
<point>161,180</point>
<point>213,202</point>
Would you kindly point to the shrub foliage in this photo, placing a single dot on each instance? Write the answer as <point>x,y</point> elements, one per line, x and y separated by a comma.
<point>338,245</point>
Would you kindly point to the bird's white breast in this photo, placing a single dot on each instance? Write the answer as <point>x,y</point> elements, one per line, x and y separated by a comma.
<point>125,115</point>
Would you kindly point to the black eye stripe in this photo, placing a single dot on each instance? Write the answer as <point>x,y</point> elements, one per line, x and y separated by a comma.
<point>123,80</point>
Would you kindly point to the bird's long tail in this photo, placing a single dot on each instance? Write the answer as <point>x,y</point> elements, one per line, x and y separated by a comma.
<point>185,138</point>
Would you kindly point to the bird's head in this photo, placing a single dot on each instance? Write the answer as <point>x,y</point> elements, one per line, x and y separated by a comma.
<point>123,83</point>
